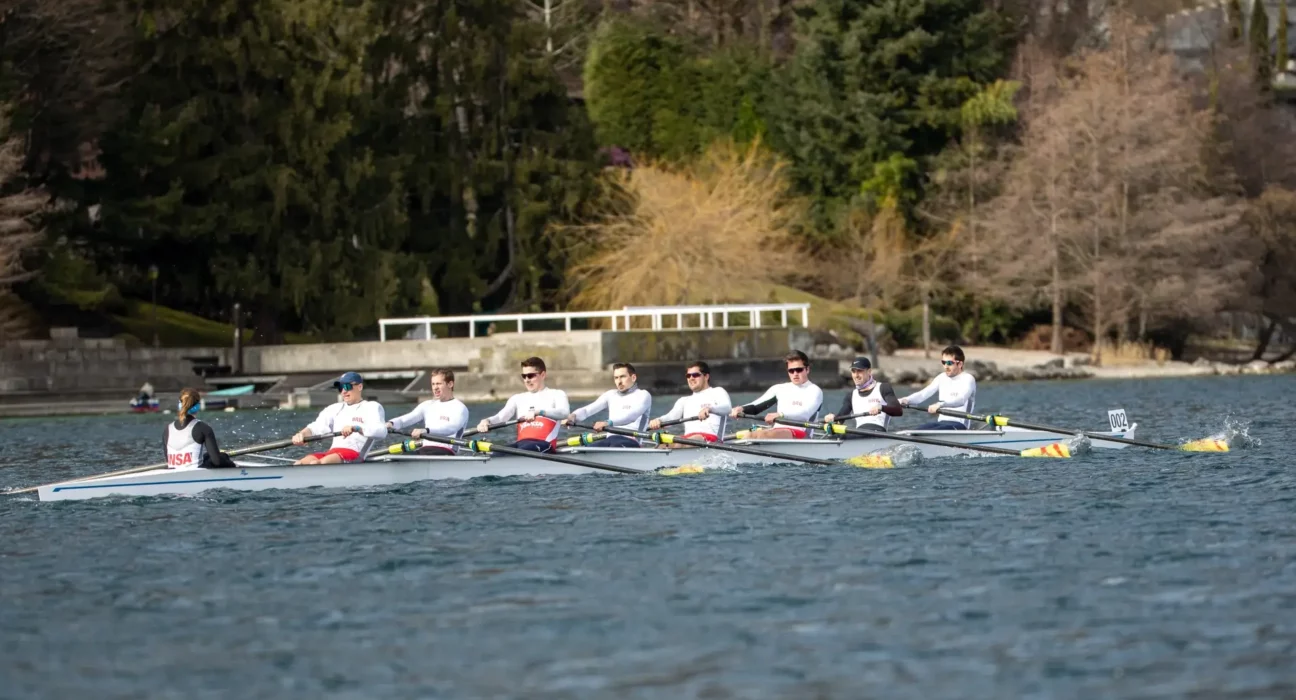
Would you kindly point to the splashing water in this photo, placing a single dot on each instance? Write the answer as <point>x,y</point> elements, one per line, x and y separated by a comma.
<point>903,455</point>
<point>1237,433</point>
<point>1078,444</point>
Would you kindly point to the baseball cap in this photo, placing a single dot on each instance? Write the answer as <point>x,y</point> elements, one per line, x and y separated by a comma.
<point>861,363</point>
<point>348,378</point>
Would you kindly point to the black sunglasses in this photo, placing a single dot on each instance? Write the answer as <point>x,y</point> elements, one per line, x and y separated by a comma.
<point>692,375</point>
<point>530,375</point>
<point>796,370</point>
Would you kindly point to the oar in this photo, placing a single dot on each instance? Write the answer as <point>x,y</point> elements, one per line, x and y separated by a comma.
<point>1202,445</point>
<point>668,439</point>
<point>484,447</point>
<point>493,426</point>
<point>278,444</point>
<point>1057,449</point>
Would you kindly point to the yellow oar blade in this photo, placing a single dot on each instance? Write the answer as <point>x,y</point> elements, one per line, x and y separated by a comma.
<point>871,462</point>
<point>685,469</point>
<point>1057,449</point>
<point>1205,445</point>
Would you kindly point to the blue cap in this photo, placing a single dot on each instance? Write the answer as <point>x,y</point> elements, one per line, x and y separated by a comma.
<point>861,363</point>
<point>348,378</point>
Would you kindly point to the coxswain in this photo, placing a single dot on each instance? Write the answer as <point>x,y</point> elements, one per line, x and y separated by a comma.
<point>798,399</point>
<point>627,406</point>
<point>873,403</point>
<point>706,408</point>
<point>954,389</point>
<point>443,416</point>
<point>537,409</point>
<point>358,421</point>
<point>191,443</point>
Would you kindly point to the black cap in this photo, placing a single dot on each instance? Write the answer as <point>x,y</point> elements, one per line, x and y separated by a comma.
<point>861,363</point>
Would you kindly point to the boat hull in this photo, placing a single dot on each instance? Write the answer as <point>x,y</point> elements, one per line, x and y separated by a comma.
<point>400,469</point>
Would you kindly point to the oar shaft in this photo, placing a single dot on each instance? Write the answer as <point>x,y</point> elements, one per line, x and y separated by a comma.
<point>546,456</point>
<point>716,446</point>
<point>163,465</point>
<point>1002,421</point>
<point>496,426</point>
<point>841,429</point>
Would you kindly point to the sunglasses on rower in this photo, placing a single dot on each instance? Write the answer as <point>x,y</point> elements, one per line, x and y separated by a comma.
<point>530,375</point>
<point>949,363</point>
<point>796,370</point>
<point>346,387</point>
<point>692,375</point>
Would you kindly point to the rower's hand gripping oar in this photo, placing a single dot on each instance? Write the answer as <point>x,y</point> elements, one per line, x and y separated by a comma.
<point>663,438</point>
<point>278,444</point>
<point>1202,445</point>
<point>1057,449</point>
<point>483,447</point>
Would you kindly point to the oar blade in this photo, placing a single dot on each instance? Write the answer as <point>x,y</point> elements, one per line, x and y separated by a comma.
<point>1205,445</point>
<point>682,470</point>
<point>1057,450</point>
<point>871,462</point>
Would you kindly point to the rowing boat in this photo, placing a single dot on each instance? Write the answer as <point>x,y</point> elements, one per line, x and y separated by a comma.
<point>383,470</point>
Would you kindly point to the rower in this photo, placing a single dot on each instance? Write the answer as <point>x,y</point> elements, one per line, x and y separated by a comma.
<point>539,410</point>
<point>710,405</point>
<point>873,403</point>
<point>798,400</point>
<point>359,421</point>
<point>954,389</point>
<point>444,415</point>
<point>191,443</point>
<point>627,406</point>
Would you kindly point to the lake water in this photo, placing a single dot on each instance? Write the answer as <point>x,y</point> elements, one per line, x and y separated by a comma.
<point>1130,573</point>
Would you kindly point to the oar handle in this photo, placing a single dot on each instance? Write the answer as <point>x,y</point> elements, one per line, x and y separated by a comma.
<point>492,426</point>
<point>481,446</point>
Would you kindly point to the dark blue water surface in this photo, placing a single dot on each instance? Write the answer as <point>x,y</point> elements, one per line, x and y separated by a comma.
<point>1133,573</point>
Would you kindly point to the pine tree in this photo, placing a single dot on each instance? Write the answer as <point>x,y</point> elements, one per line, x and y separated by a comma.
<point>1259,36</point>
<point>239,162</point>
<point>873,78</point>
<point>1283,21</point>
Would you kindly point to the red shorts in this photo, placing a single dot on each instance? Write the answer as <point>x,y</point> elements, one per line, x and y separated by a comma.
<point>798,433</point>
<point>701,436</point>
<point>347,455</point>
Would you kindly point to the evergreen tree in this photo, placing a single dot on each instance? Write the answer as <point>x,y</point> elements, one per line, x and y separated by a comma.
<point>496,150</point>
<point>1260,45</point>
<point>239,162</point>
<point>1283,21</point>
<point>873,79</point>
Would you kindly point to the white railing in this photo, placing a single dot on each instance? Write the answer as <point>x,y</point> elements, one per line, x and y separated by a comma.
<point>621,320</point>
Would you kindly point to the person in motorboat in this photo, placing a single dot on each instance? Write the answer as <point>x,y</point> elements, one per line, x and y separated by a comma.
<point>538,409</point>
<point>873,403</point>
<point>710,404</point>
<point>358,420</point>
<point>797,399</point>
<point>954,389</point>
<point>443,415</point>
<point>189,442</point>
<point>627,405</point>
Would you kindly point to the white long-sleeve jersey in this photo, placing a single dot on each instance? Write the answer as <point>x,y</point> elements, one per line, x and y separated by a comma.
<point>714,398</point>
<point>443,418</point>
<point>957,393</point>
<point>367,417</point>
<point>628,410</point>
<point>549,405</point>
<point>796,402</point>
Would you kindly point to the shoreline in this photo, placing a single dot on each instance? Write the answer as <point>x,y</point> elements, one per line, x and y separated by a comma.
<point>905,368</point>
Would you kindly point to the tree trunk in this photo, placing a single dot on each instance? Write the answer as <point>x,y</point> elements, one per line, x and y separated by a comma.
<point>1262,343</point>
<point>1056,344</point>
<point>926,324</point>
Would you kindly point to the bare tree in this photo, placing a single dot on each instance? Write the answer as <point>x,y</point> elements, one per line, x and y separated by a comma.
<point>18,230</point>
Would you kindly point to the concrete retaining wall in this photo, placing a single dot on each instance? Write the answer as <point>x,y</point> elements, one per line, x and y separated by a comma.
<point>88,366</point>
